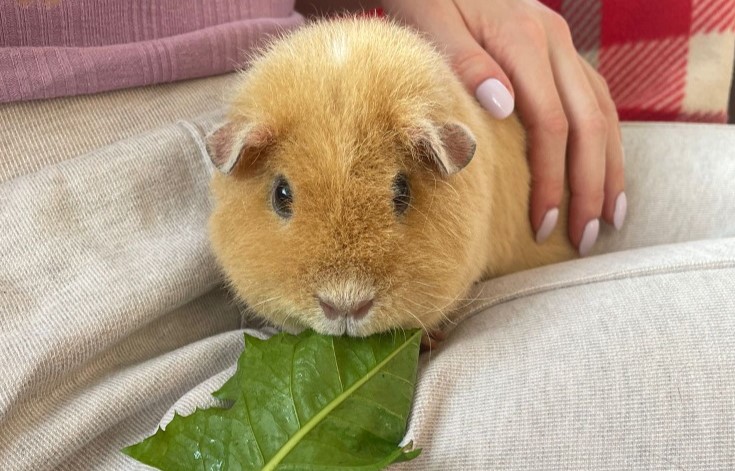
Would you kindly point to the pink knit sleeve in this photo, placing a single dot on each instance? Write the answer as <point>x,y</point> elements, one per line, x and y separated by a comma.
<point>74,47</point>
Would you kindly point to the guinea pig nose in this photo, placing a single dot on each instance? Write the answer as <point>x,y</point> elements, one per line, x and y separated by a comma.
<point>360,310</point>
<point>356,310</point>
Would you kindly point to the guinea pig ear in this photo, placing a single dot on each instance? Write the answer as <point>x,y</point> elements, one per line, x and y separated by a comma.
<point>450,146</point>
<point>234,143</point>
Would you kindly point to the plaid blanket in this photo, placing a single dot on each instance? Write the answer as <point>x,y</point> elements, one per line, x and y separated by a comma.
<point>664,60</point>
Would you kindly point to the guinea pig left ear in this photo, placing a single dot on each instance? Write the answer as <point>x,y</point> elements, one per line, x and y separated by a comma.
<point>234,144</point>
<point>450,146</point>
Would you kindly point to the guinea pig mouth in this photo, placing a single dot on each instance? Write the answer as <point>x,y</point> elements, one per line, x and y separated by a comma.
<point>343,326</point>
<point>345,308</point>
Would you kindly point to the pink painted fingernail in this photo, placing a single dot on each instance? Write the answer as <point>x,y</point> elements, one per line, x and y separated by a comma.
<point>621,208</point>
<point>589,237</point>
<point>547,225</point>
<point>495,98</point>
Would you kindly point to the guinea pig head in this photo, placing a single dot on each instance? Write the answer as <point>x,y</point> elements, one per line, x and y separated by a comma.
<point>340,196</point>
<point>352,230</point>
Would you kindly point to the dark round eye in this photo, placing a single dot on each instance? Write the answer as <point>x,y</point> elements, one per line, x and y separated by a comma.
<point>282,199</point>
<point>401,194</point>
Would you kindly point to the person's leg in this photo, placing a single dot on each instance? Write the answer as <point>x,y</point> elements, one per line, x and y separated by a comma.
<point>679,183</point>
<point>617,361</point>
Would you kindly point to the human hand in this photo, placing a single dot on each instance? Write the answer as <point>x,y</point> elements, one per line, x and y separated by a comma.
<point>503,47</point>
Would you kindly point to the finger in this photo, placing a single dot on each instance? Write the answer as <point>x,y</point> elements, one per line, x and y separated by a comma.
<point>588,129</point>
<point>615,206</point>
<point>480,73</point>
<point>526,61</point>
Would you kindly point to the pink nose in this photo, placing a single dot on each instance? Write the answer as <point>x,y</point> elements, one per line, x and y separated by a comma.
<point>356,310</point>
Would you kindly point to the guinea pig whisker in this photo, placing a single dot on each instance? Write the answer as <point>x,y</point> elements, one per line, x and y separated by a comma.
<point>285,319</point>
<point>456,193</point>
<point>448,319</point>
<point>433,295</point>
<point>431,307</point>
<point>252,306</point>
<point>448,224</point>
<point>464,302</point>
<point>407,311</point>
<point>423,326</point>
<point>450,302</point>
<point>428,219</point>
<point>423,284</point>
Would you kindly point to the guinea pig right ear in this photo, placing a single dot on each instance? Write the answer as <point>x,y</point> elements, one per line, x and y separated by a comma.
<point>234,144</point>
<point>450,146</point>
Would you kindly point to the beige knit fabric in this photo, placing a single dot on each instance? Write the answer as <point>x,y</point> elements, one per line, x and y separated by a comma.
<point>36,134</point>
<point>112,316</point>
<point>625,361</point>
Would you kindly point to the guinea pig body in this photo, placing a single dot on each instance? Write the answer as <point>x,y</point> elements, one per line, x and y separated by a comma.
<point>362,189</point>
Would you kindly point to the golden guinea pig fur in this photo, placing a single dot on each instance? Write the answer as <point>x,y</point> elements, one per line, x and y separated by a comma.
<point>361,188</point>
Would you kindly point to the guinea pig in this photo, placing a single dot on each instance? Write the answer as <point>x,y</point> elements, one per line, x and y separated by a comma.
<point>360,188</point>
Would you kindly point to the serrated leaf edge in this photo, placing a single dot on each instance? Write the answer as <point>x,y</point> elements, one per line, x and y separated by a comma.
<point>321,415</point>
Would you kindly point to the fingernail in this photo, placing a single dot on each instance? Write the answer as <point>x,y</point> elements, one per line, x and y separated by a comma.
<point>547,225</point>
<point>589,237</point>
<point>621,208</point>
<point>495,98</point>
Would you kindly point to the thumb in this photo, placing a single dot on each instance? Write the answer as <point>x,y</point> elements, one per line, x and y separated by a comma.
<point>482,76</point>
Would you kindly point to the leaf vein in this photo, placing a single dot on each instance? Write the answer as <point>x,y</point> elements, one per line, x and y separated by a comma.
<point>388,373</point>
<point>336,365</point>
<point>380,406</point>
<point>252,429</point>
<point>290,387</point>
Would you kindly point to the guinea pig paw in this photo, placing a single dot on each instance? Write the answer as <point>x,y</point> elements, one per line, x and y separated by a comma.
<point>432,339</point>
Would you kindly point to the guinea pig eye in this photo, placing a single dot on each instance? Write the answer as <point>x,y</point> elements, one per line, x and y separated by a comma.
<point>281,198</point>
<point>401,194</point>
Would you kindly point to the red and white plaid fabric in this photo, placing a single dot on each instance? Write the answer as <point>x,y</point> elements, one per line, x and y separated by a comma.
<point>664,60</point>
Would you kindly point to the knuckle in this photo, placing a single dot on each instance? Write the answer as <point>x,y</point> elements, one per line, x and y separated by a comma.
<point>603,83</point>
<point>490,31</point>
<point>556,123</point>
<point>465,63</point>
<point>595,124</point>
<point>615,174</point>
<point>558,27</point>
<point>597,198</point>
<point>547,189</point>
<point>607,107</point>
<point>606,103</point>
<point>533,30</point>
<point>593,196</point>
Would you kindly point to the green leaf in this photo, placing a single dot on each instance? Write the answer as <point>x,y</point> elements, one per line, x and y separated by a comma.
<point>306,402</point>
